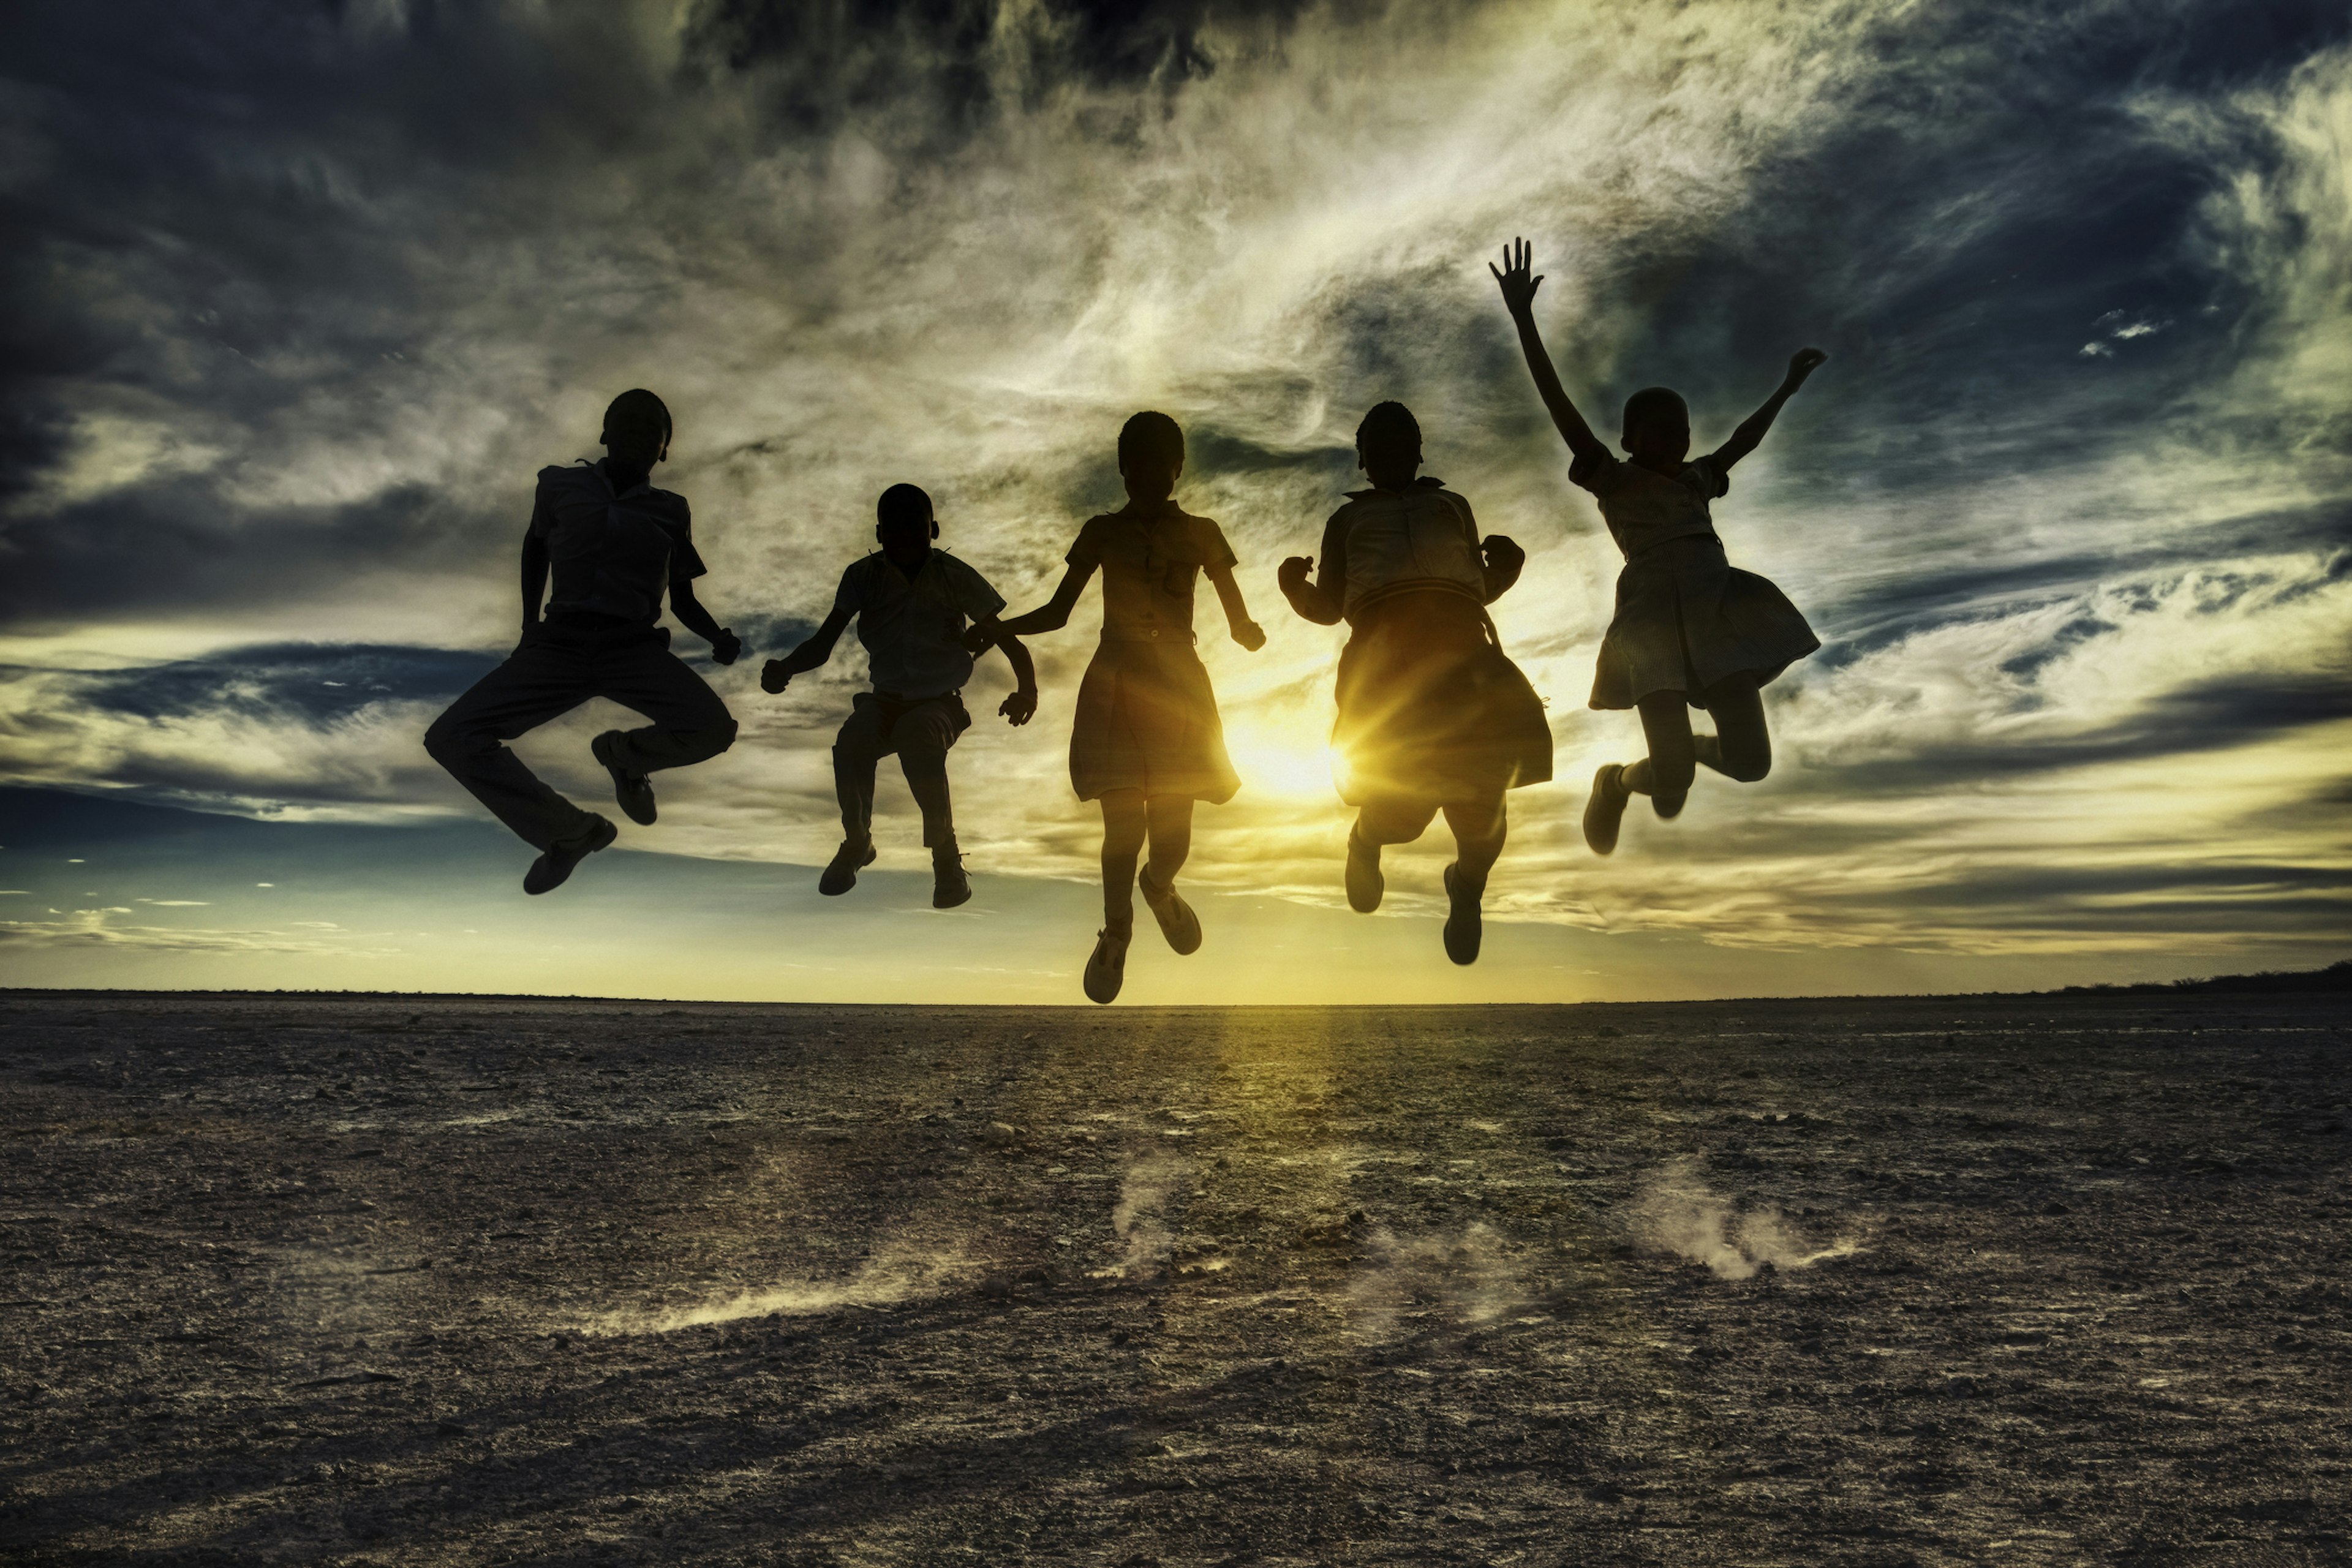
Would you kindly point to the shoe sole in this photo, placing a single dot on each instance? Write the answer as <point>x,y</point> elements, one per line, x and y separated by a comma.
<point>602,840</point>
<point>1118,976</point>
<point>947,901</point>
<point>596,749</point>
<point>833,892</point>
<point>1595,811</point>
<point>1177,922</point>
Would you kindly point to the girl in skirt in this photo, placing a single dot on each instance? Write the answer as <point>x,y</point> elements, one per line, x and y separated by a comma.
<point>1691,630</point>
<point>1433,716</point>
<point>1146,741</point>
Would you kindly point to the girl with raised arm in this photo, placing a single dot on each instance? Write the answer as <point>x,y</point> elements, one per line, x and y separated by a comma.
<point>1690,630</point>
<point>1146,741</point>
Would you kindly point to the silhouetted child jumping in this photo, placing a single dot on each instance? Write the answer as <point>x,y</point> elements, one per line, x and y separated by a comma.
<point>912,601</point>
<point>1433,715</point>
<point>615,545</point>
<point>1690,630</point>
<point>1146,741</point>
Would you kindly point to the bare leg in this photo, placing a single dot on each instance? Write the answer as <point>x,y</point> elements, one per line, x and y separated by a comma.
<point>1741,746</point>
<point>1170,818</point>
<point>1384,821</point>
<point>1125,825</point>
<point>1479,828</point>
<point>1665,774</point>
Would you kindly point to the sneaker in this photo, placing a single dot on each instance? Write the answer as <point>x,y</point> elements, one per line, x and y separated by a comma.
<point>1365,883</point>
<point>841,875</point>
<point>1106,967</point>
<point>556,862</point>
<point>950,886</point>
<point>634,791</point>
<point>1605,810</point>
<point>1177,922</point>
<point>1462,923</point>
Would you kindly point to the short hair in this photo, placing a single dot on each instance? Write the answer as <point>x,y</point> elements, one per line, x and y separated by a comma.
<point>1389,431</point>
<point>1151,440</point>
<point>636,412</point>
<point>903,504</point>
<point>1651,403</point>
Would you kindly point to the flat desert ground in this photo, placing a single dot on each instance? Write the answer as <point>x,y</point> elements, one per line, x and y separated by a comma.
<point>464,1280</point>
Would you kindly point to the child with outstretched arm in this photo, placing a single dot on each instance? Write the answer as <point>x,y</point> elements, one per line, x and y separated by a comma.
<point>913,603</point>
<point>1690,630</point>
<point>1146,741</point>
<point>1433,715</point>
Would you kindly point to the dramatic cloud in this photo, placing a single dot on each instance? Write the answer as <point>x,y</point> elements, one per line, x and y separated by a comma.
<point>300,302</point>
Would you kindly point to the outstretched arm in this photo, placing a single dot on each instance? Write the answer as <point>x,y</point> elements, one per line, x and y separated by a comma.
<point>1246,632</point>
<point>1744,440</point>
<point>1520,297</point>
<point>725,645</point>
<point>777,673</point>
<point>1050,617</point>
<point>1022,706</point>
<point>534,576</point>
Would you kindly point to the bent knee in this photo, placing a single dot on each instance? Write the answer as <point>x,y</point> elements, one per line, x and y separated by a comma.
<point>1746,770</point>
<point>450,745</point>
<point>1668,805</point>
<point>714,740</point>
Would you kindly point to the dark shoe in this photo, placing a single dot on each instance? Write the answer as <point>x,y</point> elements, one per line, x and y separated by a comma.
<point>1605,810</point>
<point>556,862</point>
<point>1462,923</point>
<point>842,874</point>
<point>1105,967</point>
<point>1177,922</point>
<point>634,791</point>
<point>1365,883</point>
<point>950,886</point>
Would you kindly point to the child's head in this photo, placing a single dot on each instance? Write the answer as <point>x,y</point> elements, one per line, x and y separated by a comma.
<point>1151,456</point>
<point>1388,445</point>
<point>903,524</point>
<point>636,427</point>
<point>1657,426</point>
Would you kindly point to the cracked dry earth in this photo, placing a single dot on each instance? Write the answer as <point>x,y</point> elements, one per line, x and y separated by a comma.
<point>396,1280</point>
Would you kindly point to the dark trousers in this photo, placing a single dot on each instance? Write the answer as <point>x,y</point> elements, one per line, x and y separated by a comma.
<point>552,672</point>
<point>919,730</point>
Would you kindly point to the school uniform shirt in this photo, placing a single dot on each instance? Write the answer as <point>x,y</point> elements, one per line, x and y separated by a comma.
<point>1644,508</point>
<point>1387,541</point>
<point>612,554</point>
<point>913,630</point>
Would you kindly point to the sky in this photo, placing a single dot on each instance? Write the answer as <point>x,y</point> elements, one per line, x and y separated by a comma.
<point>299,298</point>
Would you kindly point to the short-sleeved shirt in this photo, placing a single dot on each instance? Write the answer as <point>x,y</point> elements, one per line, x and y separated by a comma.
<point>1644,508</point>
<point>1387,541</point>
<point>1151,555</point>
<point>612,554</point>
<point>913,630</point>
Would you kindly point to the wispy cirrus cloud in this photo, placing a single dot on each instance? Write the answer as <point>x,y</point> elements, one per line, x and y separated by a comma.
<point>290,347</point>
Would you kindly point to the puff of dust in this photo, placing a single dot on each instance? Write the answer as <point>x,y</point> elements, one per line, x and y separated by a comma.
<point>1677,1213</point>
<point>1466,1275</point>
<point>1136,1219</point>
<point>898,1273</point>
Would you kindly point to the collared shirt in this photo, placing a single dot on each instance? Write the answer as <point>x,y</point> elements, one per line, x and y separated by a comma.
<point>1385,542</point>
<point>612,554</point>
<point>1151,555</point>
<point>913,631</point>
<point>1643,507</point>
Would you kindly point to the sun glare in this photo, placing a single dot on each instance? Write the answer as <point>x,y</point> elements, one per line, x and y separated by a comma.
<point>1291,765</point>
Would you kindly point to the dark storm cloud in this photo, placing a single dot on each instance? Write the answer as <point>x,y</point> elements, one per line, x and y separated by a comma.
<point>304,682</point>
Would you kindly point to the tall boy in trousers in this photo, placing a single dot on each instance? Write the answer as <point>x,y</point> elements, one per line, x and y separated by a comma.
<point>615,544</point>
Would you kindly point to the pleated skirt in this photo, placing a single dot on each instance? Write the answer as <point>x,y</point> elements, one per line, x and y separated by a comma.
<point>1146,719</point>
<point>1686,618</point>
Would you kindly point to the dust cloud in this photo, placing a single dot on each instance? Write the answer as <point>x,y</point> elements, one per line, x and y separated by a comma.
<point>1676,1212</point>
<point>900,1272</point>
